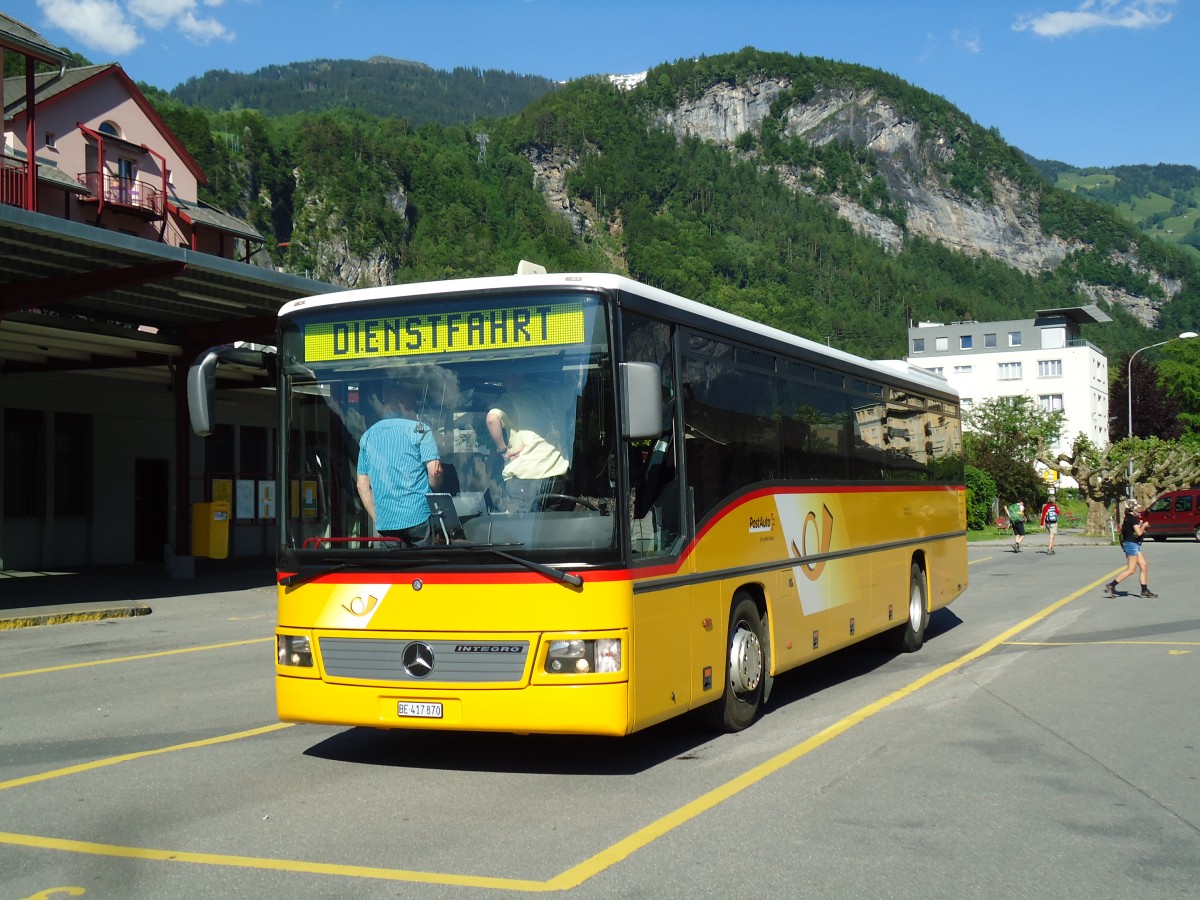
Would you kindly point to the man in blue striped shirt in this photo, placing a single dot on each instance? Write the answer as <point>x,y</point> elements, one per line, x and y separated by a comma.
<point>398,464</point>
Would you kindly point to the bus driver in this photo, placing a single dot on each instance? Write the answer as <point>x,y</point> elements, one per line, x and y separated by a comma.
<point>521,424</point>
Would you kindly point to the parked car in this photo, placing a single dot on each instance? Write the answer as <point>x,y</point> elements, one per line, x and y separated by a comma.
<point>1174,514</point>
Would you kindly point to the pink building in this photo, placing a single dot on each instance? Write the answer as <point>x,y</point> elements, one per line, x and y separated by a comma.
<point>106,158</point>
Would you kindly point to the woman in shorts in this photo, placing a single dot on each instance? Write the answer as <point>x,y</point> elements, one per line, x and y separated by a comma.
<point>1133,532</point>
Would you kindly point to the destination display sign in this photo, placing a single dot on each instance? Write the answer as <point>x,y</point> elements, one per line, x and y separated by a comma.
<point>450,331</point>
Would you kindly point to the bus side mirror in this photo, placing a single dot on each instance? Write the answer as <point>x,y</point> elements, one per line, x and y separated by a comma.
<point>641,400</point>
<point>202,381</point>
<point>201,393</point>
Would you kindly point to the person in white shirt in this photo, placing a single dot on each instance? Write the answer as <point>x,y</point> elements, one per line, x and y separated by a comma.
<point>522,425</point>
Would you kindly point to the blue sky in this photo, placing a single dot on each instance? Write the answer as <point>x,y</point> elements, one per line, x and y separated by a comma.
<point>1098,82</point>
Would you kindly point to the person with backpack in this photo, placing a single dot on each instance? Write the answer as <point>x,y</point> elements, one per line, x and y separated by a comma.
<point>1016,515</point>
<point>1049,521</point>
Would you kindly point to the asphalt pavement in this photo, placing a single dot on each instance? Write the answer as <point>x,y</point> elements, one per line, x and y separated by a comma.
<point>89,593</point>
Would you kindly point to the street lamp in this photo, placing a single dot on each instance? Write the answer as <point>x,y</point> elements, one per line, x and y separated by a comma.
<point>1129,390</point>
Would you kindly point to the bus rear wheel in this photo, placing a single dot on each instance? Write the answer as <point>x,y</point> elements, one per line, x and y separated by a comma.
<point>745,668</point>
<point>909,637</point>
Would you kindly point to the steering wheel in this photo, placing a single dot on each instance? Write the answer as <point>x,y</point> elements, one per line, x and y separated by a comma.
<point>580,501</point>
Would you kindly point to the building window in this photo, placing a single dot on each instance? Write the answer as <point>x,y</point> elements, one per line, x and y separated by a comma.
<point>255,456</point>
<point>963,370</point>
<point>1010,371</point>
<point>1050,368</point>
<point>918,345</point>
<point>72,464</point>
<point>965,342</point>
<point>1014,339</point>
<point>50,138</point>
<point>989,341</point>
<point>941,344</point>
<point>936,370</point>
<point>24,462</point>
<point>218,450</point>
<point>1051,402</point>
<point>110,128</point>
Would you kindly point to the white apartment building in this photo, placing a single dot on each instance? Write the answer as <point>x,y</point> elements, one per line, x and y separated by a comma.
<point>1044,358</point>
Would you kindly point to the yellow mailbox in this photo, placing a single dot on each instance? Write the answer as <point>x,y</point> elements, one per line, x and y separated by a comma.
<point>210,529</point>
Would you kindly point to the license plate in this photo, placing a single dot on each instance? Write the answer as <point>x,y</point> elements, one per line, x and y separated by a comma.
<point>408,710</point>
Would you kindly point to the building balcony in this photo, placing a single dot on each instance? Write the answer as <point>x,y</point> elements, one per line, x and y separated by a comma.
<point>127,194</point>
<point>13,180</point>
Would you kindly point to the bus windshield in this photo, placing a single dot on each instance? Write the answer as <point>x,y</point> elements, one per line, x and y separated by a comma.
<point>511,393</point>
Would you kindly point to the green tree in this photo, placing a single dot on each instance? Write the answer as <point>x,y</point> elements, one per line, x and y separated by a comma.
<point>1005,436</point>
<point>1179,376</point>
<point>1155,412</point>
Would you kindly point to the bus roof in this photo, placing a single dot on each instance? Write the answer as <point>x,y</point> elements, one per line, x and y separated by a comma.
<point>891,370</point>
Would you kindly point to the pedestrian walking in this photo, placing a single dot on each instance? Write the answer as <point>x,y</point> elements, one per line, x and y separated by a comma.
<point>1016,516</point>
<point>1049,521</point>
<point>1133,532</point>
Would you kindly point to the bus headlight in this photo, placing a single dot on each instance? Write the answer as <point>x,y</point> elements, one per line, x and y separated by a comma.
<point>569,657</point>
<point>293,650</point>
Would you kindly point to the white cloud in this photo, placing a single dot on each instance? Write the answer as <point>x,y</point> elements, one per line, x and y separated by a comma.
<point>967,40</point>
<point>1091,15</point>
<point>115,27</point>
<point>97,24</point>
<point>158,14</point>
<point>203,31</point>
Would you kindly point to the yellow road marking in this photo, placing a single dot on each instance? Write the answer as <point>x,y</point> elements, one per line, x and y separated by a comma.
<point>254,862</point>
<point>121,659</point>
<point>140,754</point>
<point>572,877</point>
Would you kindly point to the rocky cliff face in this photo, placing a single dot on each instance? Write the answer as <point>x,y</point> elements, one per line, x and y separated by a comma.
<point>1007,228</point>
<point>323,231</point>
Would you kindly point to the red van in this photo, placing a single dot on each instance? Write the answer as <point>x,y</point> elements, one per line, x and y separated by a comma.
<point>1174,514</point>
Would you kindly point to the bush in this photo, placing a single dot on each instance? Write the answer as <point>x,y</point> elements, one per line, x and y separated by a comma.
<point>981,492</point>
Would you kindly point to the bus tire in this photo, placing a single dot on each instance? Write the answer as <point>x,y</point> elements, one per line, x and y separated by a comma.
<point>909,637</point>
<point>745,668</point>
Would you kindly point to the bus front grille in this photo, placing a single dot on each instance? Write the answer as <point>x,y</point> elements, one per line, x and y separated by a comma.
<point>416,661</point>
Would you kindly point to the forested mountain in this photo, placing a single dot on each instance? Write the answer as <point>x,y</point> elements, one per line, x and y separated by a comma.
<point>832,200</point>
<point>380,86</point>
<point>1162,201</point>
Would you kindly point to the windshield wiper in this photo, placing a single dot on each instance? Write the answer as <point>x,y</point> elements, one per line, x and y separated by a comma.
<point>549,571</point>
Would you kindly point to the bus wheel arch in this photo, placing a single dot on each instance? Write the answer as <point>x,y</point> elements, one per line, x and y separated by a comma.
<point>747,664</point>
<point>908,637</point>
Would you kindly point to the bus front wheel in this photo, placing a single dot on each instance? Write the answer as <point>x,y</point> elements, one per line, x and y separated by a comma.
<point>745,668</point>
<point>909,637</point>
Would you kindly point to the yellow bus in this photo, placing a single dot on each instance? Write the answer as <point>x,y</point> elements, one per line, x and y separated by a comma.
<point>732,502</point>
